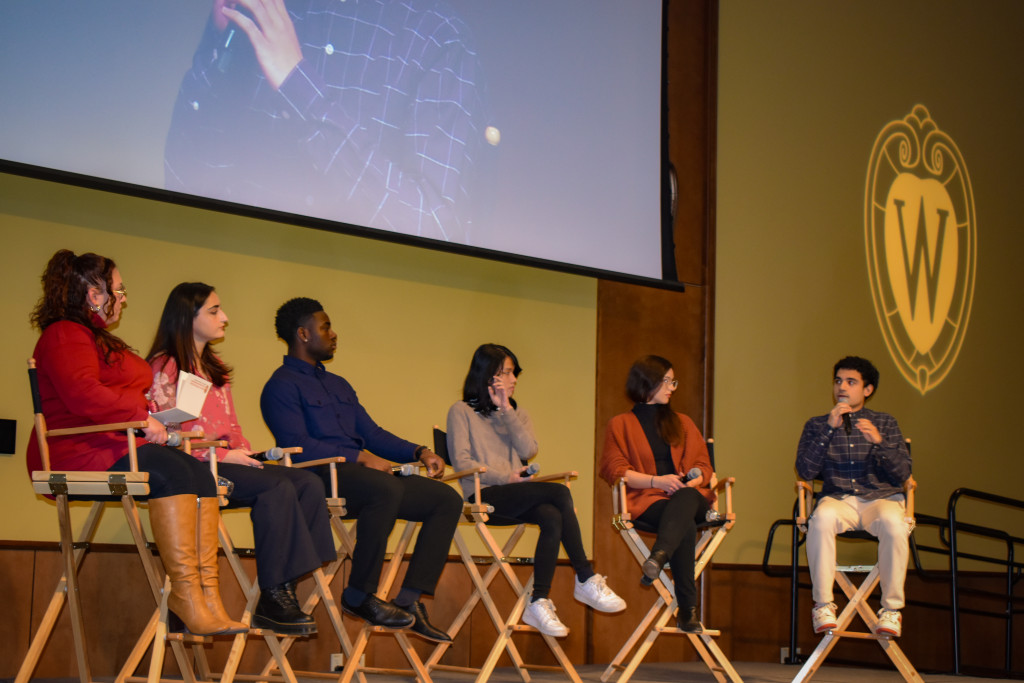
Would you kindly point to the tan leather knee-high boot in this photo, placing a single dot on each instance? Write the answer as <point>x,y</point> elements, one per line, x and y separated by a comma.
<point>208,522</point>
<point>174,528</point>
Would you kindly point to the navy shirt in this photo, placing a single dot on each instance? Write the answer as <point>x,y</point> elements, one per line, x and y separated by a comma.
<point>849,463</point>
<point>304,405</point>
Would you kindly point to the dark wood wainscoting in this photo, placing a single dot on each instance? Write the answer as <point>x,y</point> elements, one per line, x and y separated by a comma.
<point>751,610</point>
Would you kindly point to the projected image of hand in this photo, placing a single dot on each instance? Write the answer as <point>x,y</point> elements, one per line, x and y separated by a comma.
<point>270,31</point>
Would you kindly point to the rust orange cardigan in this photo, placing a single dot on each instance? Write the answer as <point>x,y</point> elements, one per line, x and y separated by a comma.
<point>626,448</point>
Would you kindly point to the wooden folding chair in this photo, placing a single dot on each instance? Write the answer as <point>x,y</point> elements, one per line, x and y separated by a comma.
<point>500,563</point>
<point>857,596</point>
<point>655,623</point>
<point>354,651</point>
<point>100,488</point>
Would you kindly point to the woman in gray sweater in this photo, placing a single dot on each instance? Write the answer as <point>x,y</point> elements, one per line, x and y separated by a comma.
<point>487,428</point>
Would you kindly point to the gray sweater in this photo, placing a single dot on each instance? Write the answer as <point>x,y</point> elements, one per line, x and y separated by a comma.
<point>500,441</point>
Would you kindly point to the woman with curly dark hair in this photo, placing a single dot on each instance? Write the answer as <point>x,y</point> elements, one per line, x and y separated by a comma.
<point>88,376</point>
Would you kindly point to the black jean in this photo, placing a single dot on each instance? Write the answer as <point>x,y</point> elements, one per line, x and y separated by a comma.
<point>171,472</point>
<point>377,499</point>
<point>549,506</point>
<point>291,526</point>
<point>676,522</point>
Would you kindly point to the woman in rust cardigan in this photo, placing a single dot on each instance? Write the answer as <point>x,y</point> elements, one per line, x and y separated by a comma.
<point>663,458</point>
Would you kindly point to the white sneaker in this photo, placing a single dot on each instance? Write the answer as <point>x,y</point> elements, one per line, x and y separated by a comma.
<point>596,593</point>
<point>540,614</point>
<point>823,617</point>
<point>890,623</point>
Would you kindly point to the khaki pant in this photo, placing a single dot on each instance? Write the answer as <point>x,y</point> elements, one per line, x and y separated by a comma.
<point>883,519</point>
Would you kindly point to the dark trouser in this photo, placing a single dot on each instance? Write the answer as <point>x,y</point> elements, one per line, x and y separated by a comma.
<point>549,506</point>
<point>676,521</point>
<point>291,527</point>
<point>377,499</point>
<point>171,472</point>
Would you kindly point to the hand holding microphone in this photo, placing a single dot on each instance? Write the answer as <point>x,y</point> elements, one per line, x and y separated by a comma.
<point>271,454</point>
<point>532,469</point>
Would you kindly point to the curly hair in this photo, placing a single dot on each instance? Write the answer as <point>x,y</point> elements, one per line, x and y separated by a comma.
<point>868,372</point>
<point>645,377</point>
<point>174,339</point>
<point>66,282</point>
<point>292,315</point>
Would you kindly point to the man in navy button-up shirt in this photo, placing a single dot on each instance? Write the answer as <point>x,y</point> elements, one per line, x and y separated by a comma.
<point>305,405</point>
<point>863,461</point>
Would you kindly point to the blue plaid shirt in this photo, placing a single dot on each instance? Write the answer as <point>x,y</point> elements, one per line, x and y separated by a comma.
<point>850,464</point>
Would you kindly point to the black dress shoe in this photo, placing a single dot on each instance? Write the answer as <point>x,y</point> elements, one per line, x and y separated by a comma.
<point>422,625</point>
<point>687,621</point>
<point>379,613</point>
<point>278,611</point>
<point>653,566</point>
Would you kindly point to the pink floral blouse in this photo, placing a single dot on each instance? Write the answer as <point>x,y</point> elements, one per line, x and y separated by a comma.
<point>218,420</point>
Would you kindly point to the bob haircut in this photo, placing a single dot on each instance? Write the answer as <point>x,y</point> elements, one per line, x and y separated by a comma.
<point>487,362</point>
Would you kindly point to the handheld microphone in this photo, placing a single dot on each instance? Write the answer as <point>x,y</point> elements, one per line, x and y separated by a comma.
<point>272,454</point>
<point>173,438</point>
<point>531,470</point>
<point>847,423</point>
<point>406,470</point>
<point>693,473</point>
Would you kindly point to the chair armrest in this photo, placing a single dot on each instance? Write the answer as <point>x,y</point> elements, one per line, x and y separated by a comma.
<point>462,474</point>
<point>565,477</point>
<point>314,463</point>
<point>804,494</point>
<point>92,429</point>
<point>209,444</point>
<point>909,487</point>
<point>726,485</point>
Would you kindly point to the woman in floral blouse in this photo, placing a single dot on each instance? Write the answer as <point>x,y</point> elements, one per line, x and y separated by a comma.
<point>291,527</point>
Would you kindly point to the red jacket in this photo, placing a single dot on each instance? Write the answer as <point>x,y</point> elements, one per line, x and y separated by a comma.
<point>626,448</point>
<point>78,387</point>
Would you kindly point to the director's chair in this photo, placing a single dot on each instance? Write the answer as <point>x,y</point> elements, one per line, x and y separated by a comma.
<point>500,560</point>
<point>99,487</point>
<point>710,536</point>
<point>345,529</point>
<point>857,596</point>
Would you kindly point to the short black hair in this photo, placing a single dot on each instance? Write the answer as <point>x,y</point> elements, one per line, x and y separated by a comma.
<point>292,315</point>
<point>487,362</point>
<point>868,372</point>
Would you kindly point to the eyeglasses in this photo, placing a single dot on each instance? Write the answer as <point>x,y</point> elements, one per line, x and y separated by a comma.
<point>670,382</point>
<point>122,292</point>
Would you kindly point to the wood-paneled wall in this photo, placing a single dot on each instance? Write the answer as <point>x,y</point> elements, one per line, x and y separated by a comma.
<point>750,608</point>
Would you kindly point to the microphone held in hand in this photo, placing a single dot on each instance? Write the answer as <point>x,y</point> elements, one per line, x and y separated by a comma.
<point>173,438</point>
<point>272,454</point>
<point>531,470</point>
<point>847,423</point>
<point>693,473</point>
<point>406,470</point>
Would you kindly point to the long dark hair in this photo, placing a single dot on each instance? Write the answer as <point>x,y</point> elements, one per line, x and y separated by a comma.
<point>174,334</point>
<point>66,282</point>
<point>645,378</point>
<point>487,362</point>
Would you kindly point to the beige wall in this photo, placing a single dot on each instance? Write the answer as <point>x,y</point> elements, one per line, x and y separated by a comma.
<point>804,89</point>
<point>408,320</point>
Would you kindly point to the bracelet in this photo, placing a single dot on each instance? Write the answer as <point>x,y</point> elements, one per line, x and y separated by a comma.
<point>419,451</point>
<point>652,481</point>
